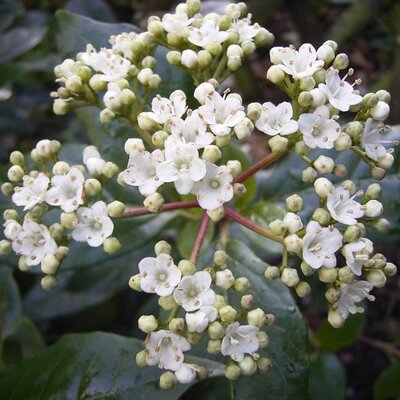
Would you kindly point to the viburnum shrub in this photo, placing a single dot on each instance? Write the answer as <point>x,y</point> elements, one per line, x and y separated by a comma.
<point>178,161</point>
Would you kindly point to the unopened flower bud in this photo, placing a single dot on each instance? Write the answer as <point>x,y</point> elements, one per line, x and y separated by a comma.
<point>15,173</point>
<point>167,380</point>
<point>48,282</point>
<point>277,227</point>
<point>232,372</point>
<point>248,47</point>
<point>253,111</point>
<point>92,187</point>
<point>56,231</point>
<point>256,317</point>
<point>204,58</point>
<point>352,233</point>
<point>147,323</point>
<point>376,277</point>
<point>224,279</point>
<point>227,314</point>
<point>275,74</point>
<point>294,203</point>
<point>341,61</point>
<point>278,144</point>
<point>176,325</point>
<point>222,141</point>
<point>324,165</point>
<point>247,366</point>
<point>378,173</point>
<point>69,220</point>
<point>10,213</point>
<point>309,174</point>
<point>22,265</point>
<point>154,202</point>
<point>186,267</point>
<point>140,359</point>
<point>386,162</point>
<point>116,209</point>
<point>327,275</point>
<point>373,191</point>
<point>321,215</point>
<point>62,252</point>
<point>134,144</point>
<point>60,107</point>
<point>7,189</point>
<point>162,247</point>
<point>343,142</point>
<point>390,269</point>
<point>292,243</point>
<point>111,245</point>
<point>145,122</point>
<point>326,54</point>
<point>373,209</point>
<point>214,346</point>
<point>290,277</point>
<point>263,38</point>
<point>335,318</point>
<point>354,129</point>
<point>234,63</point>
<point>370,100</point>
<point>211,153</point>
<point>318,96</point>
<point>235,167</point>
<point>74,84</point>
<point>244,128</point>
<point>106,116</point>
<point>61,168</point>
<point>346,275</point>
<point>320,76</point>
<point>307,83</point>
<point>264,364</point>
<point>380,112</point>
<point>167,302</point>
<point>382,225</point>
<point>292,222</point>
<point>189,58</point>
<point>216,330</point>
<point>383,95</point>
<point>332,295</point>
<point>219,301</point>
<point>134,282</point>
<point>5,247</point>
<point>110,169</point>
<point>241,284</point>
<point>340,170</point>
<point>272,272</point>
<point>17,158</point>
<point>323,187</point>
<point>193,337</point>
<point>303,289</point>
<point>305,99</point>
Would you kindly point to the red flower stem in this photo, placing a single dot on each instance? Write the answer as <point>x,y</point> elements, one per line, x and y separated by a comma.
<point>135,212</point>
<point>264,162</point>
<point>200,237</point>
<point>251,225</point>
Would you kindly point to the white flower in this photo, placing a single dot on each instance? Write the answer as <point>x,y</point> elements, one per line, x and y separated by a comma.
<point>32,192</point>
<point>165,349</point>
<point>176,23</point>
<point>207,34</point>
<point>276,120</point>
<point>222,113</point>
<point>245,29</point>
<point>299,64</point>
<point>239,340</point>
<point>215,188</point>
<point>65,70</point>
<point>93,161</point>
<point>112,98</point>
<point>352,294</point>
<point>122,43</point>
<point>340,93</point>
<point>342,207</point>
<point>159,275</point>
<point>292,222</point>
<point>141,171</point>
<point>34,242</point>
<point>186,373</point>
<point>164,109</point>
<point>318,129</point>
<point>371,139</point>
<point>67,190</point>
<point>11,229</point>
<point>111,65</point>
<point>192,130</point>
<point>320,245</point>
<point>94,224</point>
<point>357,254</point>
<point>199,320</point>
<point>182,166</point>
<point>193,291</point>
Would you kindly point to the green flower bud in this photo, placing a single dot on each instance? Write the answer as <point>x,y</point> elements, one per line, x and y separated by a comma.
<point>219,301</point>
<point>305,99</point>
<point>216,330</point>
<point>263,339</point>
<point>193,337</point>
<point>10,213</point>
<point>370,100</point>
<point>290,277</point>
<point>332,295</point>
<point>307,83</point>
<point>167,380</point>
<point>7,189</point>
<point>247,366</point>
<point>234,63</point>
<point>346,275</point>
<point>294,203</point>
<point>60,106</point>
<point>244,128</point>
<point>275,74</point>
<point>134,144</point>
<point>247,301</point>
<point>292,243</point>
<point>155,27</point>
<point>116,209</point>
<point>97,83</point>
<point>306,269</point>
<point>227,314</point>
<point>186,267</point>
<point>110,169</point>
<point>106,116</point>
<point>341,61</point>
<point>254,111</point>
<point>390,269</point>
<point>17,158</point>
<point>49,282</point>
<point>62,252</point>
<point>386,162</point>
<point>309,174</point>
<point>174,57</point>
<point>134,282</point>
<point>220,258</point>
<point>301,148</point>
<point>373,192</point>
<point>327,275</point>
<point>111,245</point>
<point>15,173</point>
<point>69,220</point>
<point>335,318</point>
<point>211,153</point>
<point>92,187</point>
<point>74,84</point>
<point>159,139</point>
<point>214,48</point>
<point>5,247</point>
<point>277,227</point>
<point>383,95</point>
<point>217,214</point>
<point>154,202</point>
<point>167,302</point>
<point>278,144</point>
<point>264,364</point>
<point>145,122</point>
<point>264,38</point>
<point>354,129</point>
<point>50,264</point>
<point>248,47</point>
<point>256,317</point>
<point>22,265</point>
<point>204,58</point>
<point>177,325</point>
<point>272,272</point>
<point>222,141</point>
<point>232,372</point>
<point>147,323</point>
<point>376,277</point>
<point>235,167</point>
<point>56,232</point>
<point>162,247</point>
<point>382,225</point>
<point>352,233</point>
<point>154,81</point>
<point>343,142</point>
<point>214,346</point>
<point>83,72</point>
<point>303,289</point>
<point>320,76</point>
<point>140,359</point>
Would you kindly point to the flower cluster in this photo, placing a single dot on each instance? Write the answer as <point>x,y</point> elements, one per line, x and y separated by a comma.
<point>197,310</point>
<point>81,216</point>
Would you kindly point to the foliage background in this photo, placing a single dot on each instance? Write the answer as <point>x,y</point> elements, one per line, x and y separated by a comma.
<point>359,361</point>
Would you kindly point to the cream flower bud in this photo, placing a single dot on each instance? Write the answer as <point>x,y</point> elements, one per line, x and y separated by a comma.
<point>301,148</point>
<point>15,173</point>
<point>263,38</point>
<point>116,209</point>
<point>167,380</point>
<point>234,50</point>
<point>272,272</point>
<point>277,227</point>
<point>263,339</point>
<point>290,277</point>
<point>154,202</point>
<point>17,158</point>
<point>318,96</point>
<point>327,275</point>
<point>256,317</point>
<point>326,53</point>
<point>7,189</point>
<point>278,144</point>
<point>354,129</point>
<point>110,169</point>
<point>305,99</point>
<point>376,277</point>
<point>220,258</point>
<point>324,165</point>
<point>309,174</point>
<point>232,372</point>
<point>162,247</point>
<point>264,364</point>
<point>62,252</point>
<point>307,83</point>
<point>241,284</point>
<point>217,214</point>
<point>378,173</point>
<point>22,265</point>
<point>346,275</point>
<point>390,269</point>
<point>49,282</point>
<point>134,282</point>
<point>227,314</point>
<point>74,84</point>
<point>222,141</point>
<point>340,170</point>
<point>341,61</point>
<point>69,220</point>
<point>343,142</point>
<point>189,58</point>
<point>224,279</point>
<point>134,144</point>
<point>214,346</point>
<point>106,116</point>
<point>60,107</point>
<point>332,295</point>
<point>145,122</point>
<point>61,168</point>
<point>216,330</point>
<point>303,289</point>
<point>147,323</point>
<point>253,111</point>
<point>373,209</point>
<point>5,247</point>
<point>193,337</point>
<point>10,213</point>
<point>386,161</point>
<point>294,203</point>
<point>204,58</point>
<point>235,167</point>
<point>380,112</point>
<point>382,225</point>
<point>383,95</point>
<point>50,264</point>
<point>373,191</point>
<point>211,153</point>
<point>159,138</point>
<point>244,128</point>
<point>111,245</point>
<point>144,75</point>
<point>186,267</point>
<point>176,325</point>
<point>140,359</point>
<point>247,366</point>
<point>248,47</point>
<point>275,74</point>
<point>335,318</point>
<point>292,243</point>
<point>292,222</point>
<point>323,187</point>
<point>247,301</point>
<point>214,48</point>
<point>174,57</point>
<point>167,302</point>
<point>219,302</point>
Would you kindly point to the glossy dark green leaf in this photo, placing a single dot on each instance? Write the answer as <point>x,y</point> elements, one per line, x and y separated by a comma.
<point>387,386</point>
<point>9,10</point>
<point>97,9</point>
<point>327,378</point>
<point>95,365</point>
<point>334,339</point>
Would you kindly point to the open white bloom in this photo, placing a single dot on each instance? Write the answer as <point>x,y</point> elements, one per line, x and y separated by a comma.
<point>67,190</point>
<point>339,93</point>
<point>176,23</point>
<point>165,349</point>
<point>357,254</point>
<point>207,34</point>
<point>342,207</point>
<point>112,66</point>
<point>222,113</point>
<point>352,294</point>
<point>297,63</point>
<point>163,109</point>
<point>318,129</point>
<point>276,120</point>
<point>239,340</point>
<point>193,291</point>
<point>199,320</point>
<point>215,188</point>
<point>245,29</point>
<point>32,192</point>
<point>93,161</point>
<point>11,229</point>
<point>112,98</point>
<point>182,166</point>
<point>320,245</point>
<point>141,171</point>
<point>159,275</point>
<point>34,242</point>
<point>192,130</point>
<point>186,373</point>
<point>371,139</point>
<point>65,70</point>
<point>94,224</point>
<point>122,43</point>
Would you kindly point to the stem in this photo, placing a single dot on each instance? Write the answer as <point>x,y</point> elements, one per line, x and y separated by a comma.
<point>251,225</point>
<point>387,347</point>
<point>220,68</point>
<point>267,160</point>
<point>135,212</point>
<point>143,134</point>
<point>200,237</point>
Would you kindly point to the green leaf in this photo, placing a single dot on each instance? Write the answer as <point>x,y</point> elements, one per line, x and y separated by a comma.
<point>387,386</point>
<point>287,379</point>
<point>97,9</point>
<point>95,365</point>
<point>9,10</point>
<point>333,339</point>
<point>327,378</point>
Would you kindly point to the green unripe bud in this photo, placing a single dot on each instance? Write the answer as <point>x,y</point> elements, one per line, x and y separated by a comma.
<point>193,337</point>
<point>216,330</point>
<point>154,81</point>
<point>332,295</point>
<point>382,225</point>
<point>15,173</point>
<point>278,144</point>
<point>140,359</point>
<point>232,372</point>
<point>204,58</point>
<point>294,203</point>
<point>248,47</point>
<point>69,220</point>
<point>247,366</point>
<point>390,269</point>
<point>321,215</point>
<point>272,272</point>
<point>17,158</point>
<point>263,38</point>
<point>309,174</point>
<point>214,48</point>
<point>373,191</point>
<point>116,209</point>
<point>244,128</point>
<point>303,289</point>
<point>167,380</point>
<point>186,267</point>
<point>177,325</point>
<point>167,302</point>
<point>62,252</point>
<point>155,27</point>
<point>275,74</point>
<point>352,233</point>
<point>162,247</point>
<point>346,275</point>
<point>134,283</point>
<point>111,245</point>
<point>56,232</point>
<point>383,95</point>
<point>290,277</point>
<point>326,53</point>
<point>74,84</point>
<point>370,100</point>
<point>214,346</point>
<point>92,187</point>
<point>264,365</point>
<point>49,282</point>
<point>222,141</point>
<point>253,111</point>
<point>319,76</point>
<point>5,247</point>
<point>7,189</point>
<point>376,277</point>
<point>263,339</point>
<point>247,301</point>
<point>235,167</point>
<point>106,116</point>
<point>22,265</point>
<point>147,323</point>
<point>219,301</point>
<point>154,202</point>
<point>335,318</point>
<point>277,227</point>
<point>241,284</point>
<point>305,99</point>
<point>211,153</point>
<point>110,169</point>
<point>306,269</point>
<point>227,314</point>
<point>327,275</point>
<point>174,57</point>
<point>97,83</point>
<point>217,214</point>
<point>159,139</point>
<point>341,61</point>
<point>301,148</point>
<point>343,142</point>
<point>60,106</point>
<point>220,258</point>
<point>10,213</point>
<point>354,129</point>
<point>234,63</point>
<point>256,317</point>
<point>307,83</point>
<point>292,243</point>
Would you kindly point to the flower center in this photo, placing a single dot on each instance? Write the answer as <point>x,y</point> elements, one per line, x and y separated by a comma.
<point>162,276</point>
<point>214,184</point>
<point>192,293</point>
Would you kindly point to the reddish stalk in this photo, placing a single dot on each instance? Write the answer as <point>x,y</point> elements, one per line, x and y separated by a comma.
<point>251,225</point>
<point>264,162</point>
<point>135,212</point>
<point>200,237</point>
